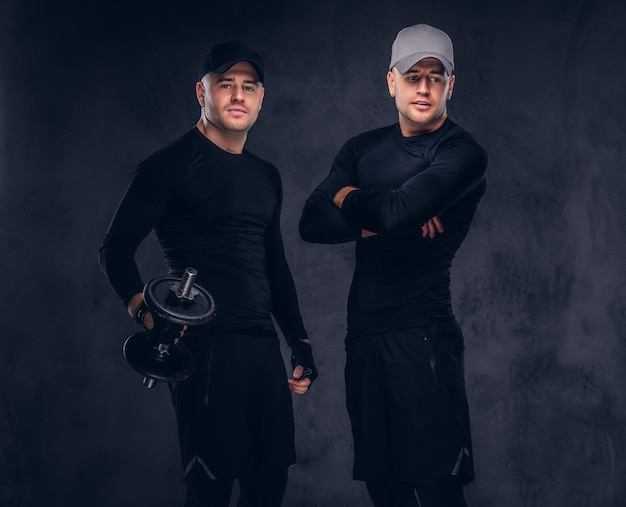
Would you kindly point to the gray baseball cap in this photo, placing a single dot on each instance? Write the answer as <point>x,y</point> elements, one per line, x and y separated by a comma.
<point>414,43</point>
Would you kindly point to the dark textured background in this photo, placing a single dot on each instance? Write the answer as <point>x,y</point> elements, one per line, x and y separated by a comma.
<point>88,89</point>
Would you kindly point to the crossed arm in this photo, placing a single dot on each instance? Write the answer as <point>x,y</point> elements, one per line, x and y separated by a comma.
<point>429,229</point>
<point>338,211</point>
<point>454,171</point>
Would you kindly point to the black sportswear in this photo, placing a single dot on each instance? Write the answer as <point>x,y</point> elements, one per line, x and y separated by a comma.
<point>404,373</point>
<point>219,213</point>
<point>401,278</point>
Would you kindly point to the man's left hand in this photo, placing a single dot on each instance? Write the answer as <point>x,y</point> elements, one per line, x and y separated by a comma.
<point>432,227</point>
<point>297,384</point>
<point>304,370</point>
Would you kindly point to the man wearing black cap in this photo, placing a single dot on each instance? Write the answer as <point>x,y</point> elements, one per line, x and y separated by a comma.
<point>216,207</point>
<point>404,371</point>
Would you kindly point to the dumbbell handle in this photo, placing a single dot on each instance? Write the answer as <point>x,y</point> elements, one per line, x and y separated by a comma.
<point>184,290</point>
<point>161,351</point>
<point>158,361</point>
<point>166,333</point>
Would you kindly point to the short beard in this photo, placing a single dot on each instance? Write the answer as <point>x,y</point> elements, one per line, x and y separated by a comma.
<point>219,124</point>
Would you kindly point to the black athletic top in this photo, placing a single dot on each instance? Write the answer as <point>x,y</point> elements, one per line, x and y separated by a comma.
<point>401,279</point>
<point>219,213</point>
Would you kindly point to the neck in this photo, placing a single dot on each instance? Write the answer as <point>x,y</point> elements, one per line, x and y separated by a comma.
<point>232,142</point>
<point>410,129</point>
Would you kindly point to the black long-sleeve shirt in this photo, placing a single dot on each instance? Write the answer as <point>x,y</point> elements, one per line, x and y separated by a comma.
<point>219,213</point>
<point>401,279</point>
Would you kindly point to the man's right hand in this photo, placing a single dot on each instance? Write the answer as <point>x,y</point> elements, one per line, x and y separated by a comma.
<point>147,319</point>
<point>368,234</point>
<point>341,195</point>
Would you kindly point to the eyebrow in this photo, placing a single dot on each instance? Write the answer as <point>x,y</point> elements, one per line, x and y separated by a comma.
<point>434,71</point>
<point>231,79</point>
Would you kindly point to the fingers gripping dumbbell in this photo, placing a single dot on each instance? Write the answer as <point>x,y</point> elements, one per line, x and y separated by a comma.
<point>174,302</point>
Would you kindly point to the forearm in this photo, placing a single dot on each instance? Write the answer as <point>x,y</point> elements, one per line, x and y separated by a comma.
<point>285,306</point>
<point>385,212</point>
<point>142,205</point>
<point>117,261</point>
<point>420,198</point>
<point>323,222</point>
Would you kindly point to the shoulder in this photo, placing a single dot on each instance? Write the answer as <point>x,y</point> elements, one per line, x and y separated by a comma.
<point>176,151</point>
<point>373,136</point>
<point>168,166</point>
<point>253,159</point>
<point>365,141</point>
<point>454,136</point>
<point>265,167</point>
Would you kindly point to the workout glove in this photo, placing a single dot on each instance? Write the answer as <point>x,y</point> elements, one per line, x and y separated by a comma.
<point>165,331</point>
<point>302,355</point>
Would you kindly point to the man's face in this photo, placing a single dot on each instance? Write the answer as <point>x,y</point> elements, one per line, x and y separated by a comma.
<point>232,100</point>
<point>421,96</point>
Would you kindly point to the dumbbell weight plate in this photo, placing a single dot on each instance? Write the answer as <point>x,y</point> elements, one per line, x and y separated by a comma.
<point>142,353</point>
<point>161,298</point>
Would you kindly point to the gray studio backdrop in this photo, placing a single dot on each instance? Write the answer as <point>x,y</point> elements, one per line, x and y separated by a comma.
<point>87,90</point>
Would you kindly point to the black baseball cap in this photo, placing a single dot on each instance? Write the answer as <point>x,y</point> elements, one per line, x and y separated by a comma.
<point>223,56</point>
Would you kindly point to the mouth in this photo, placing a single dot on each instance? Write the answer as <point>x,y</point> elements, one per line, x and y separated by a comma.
<point>421,104</point>
<point>237,111</point>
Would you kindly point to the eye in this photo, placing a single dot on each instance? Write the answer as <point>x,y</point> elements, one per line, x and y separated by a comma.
<point>435,79</point>
<point>249,88</point>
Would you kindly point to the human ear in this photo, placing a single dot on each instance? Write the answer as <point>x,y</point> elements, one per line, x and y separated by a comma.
<point>200,93</point>
<point>451,86</point>
<point>391,83</point>
<point>262,96</point>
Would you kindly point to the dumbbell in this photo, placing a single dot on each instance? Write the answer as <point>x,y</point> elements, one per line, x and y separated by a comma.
<point>177,302</point>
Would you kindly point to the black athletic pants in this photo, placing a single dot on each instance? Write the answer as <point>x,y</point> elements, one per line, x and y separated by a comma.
<point>260,490</point>
<point>446,492</point>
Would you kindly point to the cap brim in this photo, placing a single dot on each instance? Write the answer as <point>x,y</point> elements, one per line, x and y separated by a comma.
<point>406,63</point>
<point>225,66</point>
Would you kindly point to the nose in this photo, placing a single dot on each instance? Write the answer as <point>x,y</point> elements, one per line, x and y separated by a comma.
<point>237,95</point>
<point>422,86</point>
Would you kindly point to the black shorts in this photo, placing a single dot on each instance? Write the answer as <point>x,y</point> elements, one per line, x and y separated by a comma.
<point>235,413</point>
<point>406,399</point>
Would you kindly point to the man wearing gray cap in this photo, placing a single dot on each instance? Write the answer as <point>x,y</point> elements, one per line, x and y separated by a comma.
<point>215,206</point>
<point>393,190</point>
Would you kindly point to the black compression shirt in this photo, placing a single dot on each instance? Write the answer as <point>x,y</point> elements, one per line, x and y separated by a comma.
<point>401,279</point>
<point>219,213</point>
